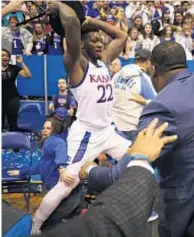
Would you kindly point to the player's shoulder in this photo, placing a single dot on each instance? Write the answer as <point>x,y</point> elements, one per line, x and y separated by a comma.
<point>130,71</point>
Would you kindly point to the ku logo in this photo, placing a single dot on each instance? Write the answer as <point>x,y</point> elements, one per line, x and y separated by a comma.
<point>62,101</point>
<point>99,78</point>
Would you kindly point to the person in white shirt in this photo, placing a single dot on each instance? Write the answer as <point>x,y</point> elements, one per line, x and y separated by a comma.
<point>132,79</point>
<point>148,39</point>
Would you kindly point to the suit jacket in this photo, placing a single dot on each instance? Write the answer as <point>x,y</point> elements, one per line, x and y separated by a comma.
<point>122,210</point>
<point>101,178</point>
<point>175,105</point>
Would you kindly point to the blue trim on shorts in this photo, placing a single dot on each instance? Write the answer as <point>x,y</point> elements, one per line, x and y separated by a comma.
<point>82,148</point>
<point>82,80</point>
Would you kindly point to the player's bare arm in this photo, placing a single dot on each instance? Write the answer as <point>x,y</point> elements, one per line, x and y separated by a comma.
<point>117,44</point>
<point>74,60</point>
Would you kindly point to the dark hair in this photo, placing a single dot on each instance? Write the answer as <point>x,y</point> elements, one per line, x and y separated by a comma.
<point>175,21</point>
<point>13,17</point>
<point>5,50</point>
<point>86,30</point>
<point>57,126</point>
<point>165,30</point>
<point>151,36</point>
<point>168,56</point>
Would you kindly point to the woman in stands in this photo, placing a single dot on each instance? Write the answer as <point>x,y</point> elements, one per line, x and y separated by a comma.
<point>53,157</point>
<point>10,95</point>
<point>39,40</point>
<point>167,34</point>
<point>148,39</point>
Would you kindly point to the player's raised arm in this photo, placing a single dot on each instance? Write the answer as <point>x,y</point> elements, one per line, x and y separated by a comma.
<point>117,44</point>
<point>74,61</point>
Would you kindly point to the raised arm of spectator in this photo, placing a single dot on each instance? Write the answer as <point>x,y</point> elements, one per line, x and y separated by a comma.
<point>116,46</point>
<point>25,72</point>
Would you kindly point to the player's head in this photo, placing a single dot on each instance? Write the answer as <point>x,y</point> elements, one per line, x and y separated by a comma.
<point>5,56</point>
<point>62,84</point>
<point>92,44</point>
<point>50,127</point>
<point>115,66</point>
<point>143,59</point>
<point>167,58</point>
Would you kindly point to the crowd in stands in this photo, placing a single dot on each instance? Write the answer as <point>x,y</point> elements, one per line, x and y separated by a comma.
<point>147,23</point>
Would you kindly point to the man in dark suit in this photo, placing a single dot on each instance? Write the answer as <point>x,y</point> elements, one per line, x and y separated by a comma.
<point>124,208</point>
<point>174,104</point>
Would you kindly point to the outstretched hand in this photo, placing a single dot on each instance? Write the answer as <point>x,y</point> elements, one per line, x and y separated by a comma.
<point>150,142</point>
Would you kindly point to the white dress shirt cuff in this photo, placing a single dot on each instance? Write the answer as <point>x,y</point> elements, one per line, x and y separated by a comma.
<point>90,168</point>
<point>141,163</point>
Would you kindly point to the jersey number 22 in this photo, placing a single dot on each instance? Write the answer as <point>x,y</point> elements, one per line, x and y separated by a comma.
<point>107,92</point>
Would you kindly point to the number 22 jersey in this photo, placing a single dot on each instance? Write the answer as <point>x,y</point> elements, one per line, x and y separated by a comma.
<point>94,95</point>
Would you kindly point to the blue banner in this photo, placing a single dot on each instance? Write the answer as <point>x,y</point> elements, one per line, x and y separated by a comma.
<point>35,85</point>
<point>55,70</point>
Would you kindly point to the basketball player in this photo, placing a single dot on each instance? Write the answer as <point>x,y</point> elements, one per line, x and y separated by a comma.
<point>92,87</point>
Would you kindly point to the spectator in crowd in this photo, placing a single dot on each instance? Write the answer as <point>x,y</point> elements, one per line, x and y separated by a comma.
<point>124,216</point>
<point>138,22</point>
<point>54,44</point>
<point>19,14</point>
<point>63,105</point>
<point>184,38</point>
<point>178,18</point>
<point>167,34</point>
<point>148,39</point>
<point>33,11</point>
<point>10,95</point>
<point>39,40</point>
<point>17,40</point>
<point>54,156</point>
<point>166,18</point>
<point>132,79</point>
<point>115,66</point>
<point>175,163</point>
<point>133,43</point>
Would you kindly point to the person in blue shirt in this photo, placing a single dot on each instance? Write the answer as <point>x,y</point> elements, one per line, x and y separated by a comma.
<point>63,105</point>
<point>54,156</point>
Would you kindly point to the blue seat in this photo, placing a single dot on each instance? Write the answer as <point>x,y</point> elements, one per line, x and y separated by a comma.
<point>17,184</point>
<point>30,108</point>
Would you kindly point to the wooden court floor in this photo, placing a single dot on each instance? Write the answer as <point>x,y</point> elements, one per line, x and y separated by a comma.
<point>17,200</point>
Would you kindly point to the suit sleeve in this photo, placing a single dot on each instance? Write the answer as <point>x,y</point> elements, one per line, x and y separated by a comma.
<point>101,178</point>
<point>158,110</point>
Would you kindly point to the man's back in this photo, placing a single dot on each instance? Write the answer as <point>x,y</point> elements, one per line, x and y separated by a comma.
<point>130,79</point>
<point>175,105</point>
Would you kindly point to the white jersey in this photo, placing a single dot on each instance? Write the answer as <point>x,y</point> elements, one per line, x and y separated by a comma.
<point>130,79</point>
<point>94,95</point>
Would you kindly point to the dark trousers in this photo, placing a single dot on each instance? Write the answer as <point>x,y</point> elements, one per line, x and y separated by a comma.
<point>10,109</point>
